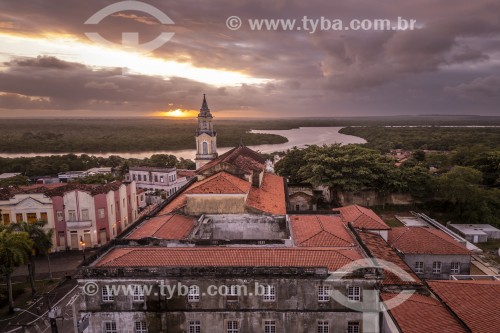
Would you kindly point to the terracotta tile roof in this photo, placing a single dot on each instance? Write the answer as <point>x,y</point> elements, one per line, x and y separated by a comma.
<point>241,157</point>
<point>362,218</point>
<point>186,173</point>
<point>229,257</point>
<point>165,227</point>
<point>422,240</point>
<point>270,196</point>
<point>379,249</point>
<point>221,182</point>
<point>8,192</point>
<point>421,313</point>
<point>177,203</point>
<point>93,189</point>
<point>476,303</point>
<point>320,230</point>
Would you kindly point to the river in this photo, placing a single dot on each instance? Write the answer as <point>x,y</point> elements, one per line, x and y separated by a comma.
<point>299,137</point>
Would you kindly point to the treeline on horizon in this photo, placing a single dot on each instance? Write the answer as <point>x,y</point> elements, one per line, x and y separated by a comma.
<point>146,134</point>
<point>426,138</point>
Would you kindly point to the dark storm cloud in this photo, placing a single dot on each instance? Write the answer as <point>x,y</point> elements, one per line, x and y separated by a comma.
<point>333,73</point>
<point>50,83</point>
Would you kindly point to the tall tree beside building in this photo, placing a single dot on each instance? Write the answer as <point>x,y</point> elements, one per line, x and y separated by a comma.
<point>14,250</point>
<point>41,241</point>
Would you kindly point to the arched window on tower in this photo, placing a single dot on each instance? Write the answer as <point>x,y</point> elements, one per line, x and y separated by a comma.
<point>205,147</point>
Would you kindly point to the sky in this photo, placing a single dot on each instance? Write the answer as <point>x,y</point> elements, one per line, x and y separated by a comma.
<point>49,67</point>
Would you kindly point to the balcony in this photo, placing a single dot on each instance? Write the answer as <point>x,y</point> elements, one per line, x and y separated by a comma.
<point>78,224</point>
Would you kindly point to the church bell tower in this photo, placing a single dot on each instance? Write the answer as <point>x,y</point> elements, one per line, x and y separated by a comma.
<point>206,137</point>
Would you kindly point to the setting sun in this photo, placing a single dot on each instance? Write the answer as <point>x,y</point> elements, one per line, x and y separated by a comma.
<point>178,113</point>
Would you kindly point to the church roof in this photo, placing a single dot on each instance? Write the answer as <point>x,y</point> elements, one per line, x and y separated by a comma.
<point>241,157</point>
<point>268,198</point>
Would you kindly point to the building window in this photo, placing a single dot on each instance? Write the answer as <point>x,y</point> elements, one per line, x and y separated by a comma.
<point>19,218</point>
<point>232,290</point>
<point>6,219</point>
<point>162,179</point>
<point>138,293</point>
<point>233,326</point>
<point>269,294</point>
<point>455,268</point>
<point>31,217</point>
<point>419,267</point>
<point>60,215</point>
<point>100,213</point>
<point>269,326</point>
<point>194,294</point>
<point>107,294</point>
<point>85,215</point>
<point>71,215</point>
<point>139,177</point>
<point>436,267</point>
<point>354,293</point>
<point>156,178</point>
<point>323,326</point>
<point>205,147</point>
<point>110,327</point>
<point>133,177</point>
<point>140,327</point>
<point>353,327</point>
<point>44,217</point>
<point>194,326</point>
<point>323,293</point>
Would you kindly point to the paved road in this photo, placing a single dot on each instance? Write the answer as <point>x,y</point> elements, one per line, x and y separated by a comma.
<point>34,318</point>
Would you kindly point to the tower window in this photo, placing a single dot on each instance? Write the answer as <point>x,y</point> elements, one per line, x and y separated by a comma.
<point>205,147</point>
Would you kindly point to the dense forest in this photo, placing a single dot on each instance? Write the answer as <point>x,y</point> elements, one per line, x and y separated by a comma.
<point>465,184</point>
<point>52,165</point>
<point>427,138</point>
<point>146,134</point>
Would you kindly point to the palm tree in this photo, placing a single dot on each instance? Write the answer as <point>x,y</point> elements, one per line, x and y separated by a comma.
<point>14,249</point>
<point>42,242</point>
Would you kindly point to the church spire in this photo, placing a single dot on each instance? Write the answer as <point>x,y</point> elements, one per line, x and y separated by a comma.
<point>204,111</point>
<point>206,136</point>
<point>204,105</point>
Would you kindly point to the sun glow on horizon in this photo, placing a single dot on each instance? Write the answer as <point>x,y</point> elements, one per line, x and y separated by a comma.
<point>178,113</point>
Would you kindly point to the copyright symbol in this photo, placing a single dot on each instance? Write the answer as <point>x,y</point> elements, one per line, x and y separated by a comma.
<point>233,23</point>
<point>90,288</point>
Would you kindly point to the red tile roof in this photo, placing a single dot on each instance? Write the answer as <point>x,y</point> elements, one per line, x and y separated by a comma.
<point>164,227</point>
<point>379,249</point>
<point>320,230</point>
<point>8,192</point>
<point>270,196</point>
<point>333,259</point>
<point>186,173</point>
<point>362,218</point>
<point>422,240</point>
<point>242,158</point>
<point>221,182</point>
<point>421,313</point>
<point>476,303</point>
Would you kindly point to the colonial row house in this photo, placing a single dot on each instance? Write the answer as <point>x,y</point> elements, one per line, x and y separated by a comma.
<point>80,215</point>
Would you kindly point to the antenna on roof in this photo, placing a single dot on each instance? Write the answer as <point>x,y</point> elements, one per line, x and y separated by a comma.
<point>241,140</point>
